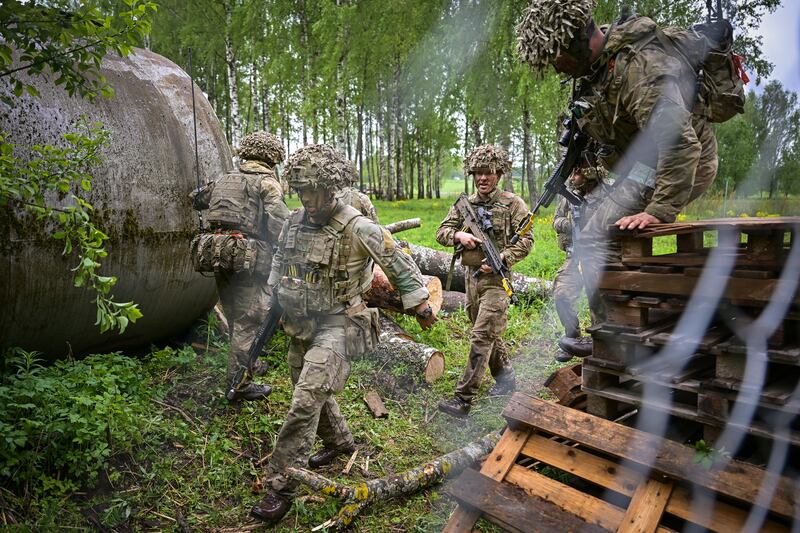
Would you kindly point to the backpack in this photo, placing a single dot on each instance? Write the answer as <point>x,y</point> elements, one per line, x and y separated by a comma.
<point>707,48</point>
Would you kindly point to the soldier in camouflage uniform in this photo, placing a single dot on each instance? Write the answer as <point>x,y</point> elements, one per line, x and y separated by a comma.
<point>487,301</point>
<point>640,103</point>
<point>322,267</point>
<point>568,283</point>
<point>246,208</point>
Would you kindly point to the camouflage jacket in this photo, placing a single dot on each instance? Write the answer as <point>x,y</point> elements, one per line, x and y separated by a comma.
<point>270,191</point>
<point>353,197</point>
<point>640,100</point>
<point>324,268</point>
<point>507,212</point>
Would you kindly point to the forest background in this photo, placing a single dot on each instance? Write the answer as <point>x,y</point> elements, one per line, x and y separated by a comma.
<point>406,88</point>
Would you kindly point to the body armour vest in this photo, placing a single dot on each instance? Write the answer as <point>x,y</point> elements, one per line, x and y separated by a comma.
<point>314,275</point>
<point>498,213</point>
<point>236,205</point>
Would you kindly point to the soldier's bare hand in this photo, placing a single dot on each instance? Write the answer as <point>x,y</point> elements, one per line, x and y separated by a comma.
<point>637,221</point>
<point>485,268</point>
<point>467,240</point>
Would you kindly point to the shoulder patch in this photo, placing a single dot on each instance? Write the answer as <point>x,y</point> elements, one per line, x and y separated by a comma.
<point>388,240</point>
<point>507,195</point>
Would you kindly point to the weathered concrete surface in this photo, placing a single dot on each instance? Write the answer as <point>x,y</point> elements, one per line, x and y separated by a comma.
<point>140,195</point>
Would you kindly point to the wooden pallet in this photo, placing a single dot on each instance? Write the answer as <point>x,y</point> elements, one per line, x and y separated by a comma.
<point>609,478</point>
<point>693,394</point>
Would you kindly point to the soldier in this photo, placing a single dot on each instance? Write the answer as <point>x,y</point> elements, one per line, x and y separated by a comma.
<point>568,283</point>
<point>246,212</point>
<point>355,198</point>
<point>637,101</point>
<point>487,301</point>
<point>321,268</point>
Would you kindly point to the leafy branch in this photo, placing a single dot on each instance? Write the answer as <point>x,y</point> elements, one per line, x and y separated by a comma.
<point>53,174</point>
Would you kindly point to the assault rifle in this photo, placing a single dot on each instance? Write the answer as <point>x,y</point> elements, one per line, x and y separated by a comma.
<point>479,224</point>
<point>575,143</point>
<point>265,332</point>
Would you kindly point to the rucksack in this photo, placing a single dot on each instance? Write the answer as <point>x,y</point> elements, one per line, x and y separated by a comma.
<point>707,48</point>
<point>236,206</point>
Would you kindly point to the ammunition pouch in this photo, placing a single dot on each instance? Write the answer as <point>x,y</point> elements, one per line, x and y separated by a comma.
<point>472,257</point>
<point>231,253</point>
<point>361,332</point>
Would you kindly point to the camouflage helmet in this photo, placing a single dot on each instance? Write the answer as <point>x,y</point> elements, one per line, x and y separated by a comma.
<point>488,156</point>
<point>548,27</point>
<point>318,166</point>
<point>262,146</point>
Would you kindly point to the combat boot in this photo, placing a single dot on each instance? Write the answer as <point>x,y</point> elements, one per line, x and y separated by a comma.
<point>503,385</point>
<point>563,357</point>
<point>271,508</point>
<point>251,392</point>
<point>455,406</point>
<point>576,346</point>
<point>326,455</point>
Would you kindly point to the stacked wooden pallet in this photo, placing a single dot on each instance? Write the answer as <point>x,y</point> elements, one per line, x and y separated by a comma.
<point>559,469</point>
<point>647,295</point>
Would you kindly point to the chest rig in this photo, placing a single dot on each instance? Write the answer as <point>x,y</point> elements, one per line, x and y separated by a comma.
<point>315,277</point>
<point>496,222</point>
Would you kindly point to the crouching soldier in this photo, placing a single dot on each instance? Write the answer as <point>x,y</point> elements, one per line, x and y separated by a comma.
<point>487,301</point>
<point>322,267</point>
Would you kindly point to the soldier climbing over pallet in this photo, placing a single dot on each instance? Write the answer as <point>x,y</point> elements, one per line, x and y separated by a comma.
<point>647,95</point>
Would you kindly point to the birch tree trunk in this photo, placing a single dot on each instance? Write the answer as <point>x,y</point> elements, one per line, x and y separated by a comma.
<point>230,61</point>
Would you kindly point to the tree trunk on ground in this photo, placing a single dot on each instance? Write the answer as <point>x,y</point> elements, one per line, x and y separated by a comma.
<point>452,301</point>
<point>356,499</point>
<point>403,225</point>
<point>437,263</point>
<point>385,296</point>
<point>396,347</point>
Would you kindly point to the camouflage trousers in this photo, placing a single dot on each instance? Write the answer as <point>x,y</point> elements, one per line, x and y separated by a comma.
<point>245,302</point>
<point>567,287</point>
<point>487,305</point>
<point>319,369</point>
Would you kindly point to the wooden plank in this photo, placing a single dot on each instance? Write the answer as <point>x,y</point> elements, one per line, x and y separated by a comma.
<point>752,290</point>
<point>375,404</point>
<point>495,467</point>
<point>646,507</point>
<point>590,509</point>
<point>738,480</point>
<point>511,508</point>
<point>722,517</point>
<point>610,475</point>
<point>598,470</point>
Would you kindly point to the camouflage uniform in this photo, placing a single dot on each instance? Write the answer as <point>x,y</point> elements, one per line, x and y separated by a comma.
<point>568,282</point>
<point>487,301</point>
<point>640,107</point>
<point>353,197</point>
<point>320,273</point>
<point>244,296</point>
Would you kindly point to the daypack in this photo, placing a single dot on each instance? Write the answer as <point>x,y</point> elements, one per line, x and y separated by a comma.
<point>236,206</point>
<point>707,48</point>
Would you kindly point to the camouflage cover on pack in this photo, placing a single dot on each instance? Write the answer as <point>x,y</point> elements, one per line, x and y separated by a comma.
<point>262,146</point>
<point>319,165</point>
<point>488,156</point>
<point>547,27</point>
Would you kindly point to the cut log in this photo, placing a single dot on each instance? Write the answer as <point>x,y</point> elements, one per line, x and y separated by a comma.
<point>397,348</point>
<point>403,225</point>
<point>222,322</point>
<point>390,326</point>
<point>357,498</point>
<point>452,301</point>
<point>375,404</point>
<point>437,263</point>
<point>385,296</point>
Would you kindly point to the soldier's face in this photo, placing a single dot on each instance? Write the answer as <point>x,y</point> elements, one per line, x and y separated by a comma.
<point>485,181</point>
<point>567,64</point>
<point>318,204</point>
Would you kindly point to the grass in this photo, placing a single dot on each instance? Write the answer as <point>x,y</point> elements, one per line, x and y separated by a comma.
<point>199,462</point>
